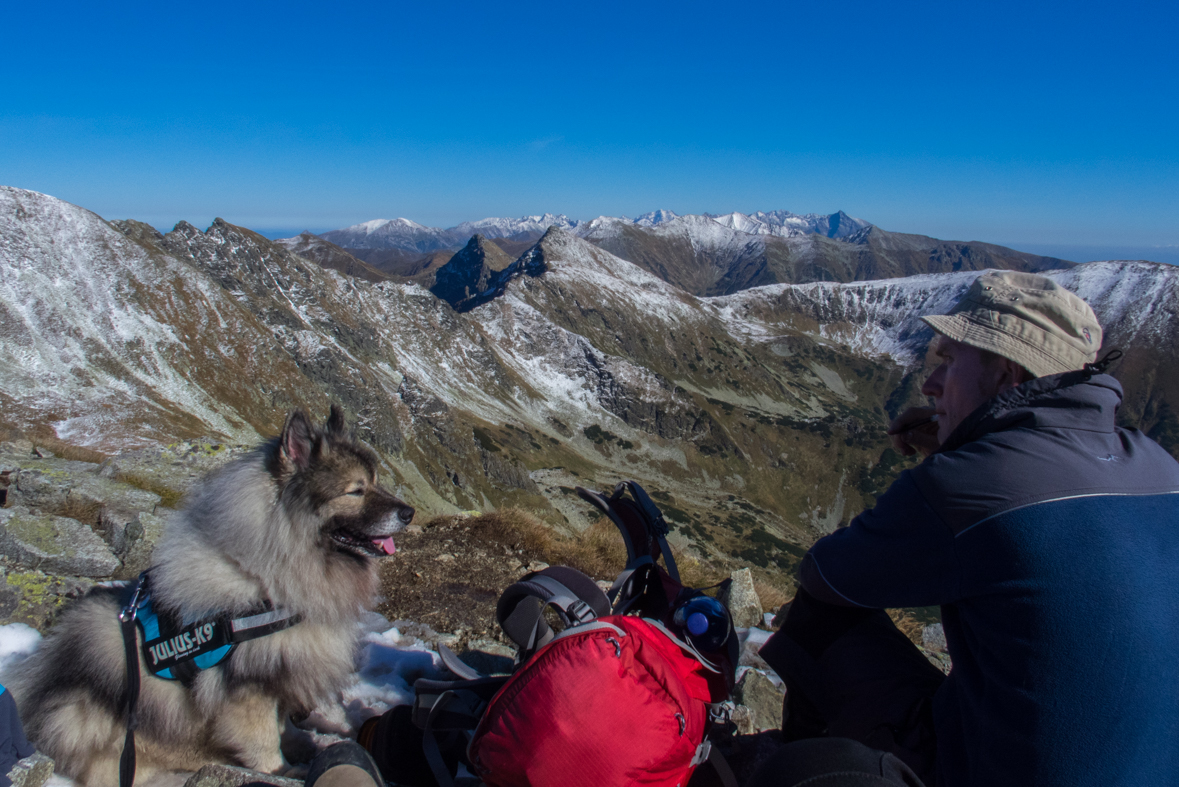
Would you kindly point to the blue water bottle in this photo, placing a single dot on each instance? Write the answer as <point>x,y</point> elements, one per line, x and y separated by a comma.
<point>705,622</point>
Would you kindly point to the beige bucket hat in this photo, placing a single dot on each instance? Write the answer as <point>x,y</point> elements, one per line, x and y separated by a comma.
<point>1025,318</point>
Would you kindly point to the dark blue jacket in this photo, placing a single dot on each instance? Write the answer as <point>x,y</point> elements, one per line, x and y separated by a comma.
<point>13,743</point>
<point>1050,538</point>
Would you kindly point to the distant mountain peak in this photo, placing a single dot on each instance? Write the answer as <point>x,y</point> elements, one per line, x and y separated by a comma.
<point>655,218</point>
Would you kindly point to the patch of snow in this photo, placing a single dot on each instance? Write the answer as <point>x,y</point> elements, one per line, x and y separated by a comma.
<point>17,642</point>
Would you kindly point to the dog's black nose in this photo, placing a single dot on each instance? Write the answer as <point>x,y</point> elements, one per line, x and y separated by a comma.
<point>405,514</point>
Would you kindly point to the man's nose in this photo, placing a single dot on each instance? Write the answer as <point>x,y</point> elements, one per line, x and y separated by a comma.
<point>933,383</point>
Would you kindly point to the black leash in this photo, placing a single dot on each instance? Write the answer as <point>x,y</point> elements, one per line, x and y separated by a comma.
<point>131,647</point>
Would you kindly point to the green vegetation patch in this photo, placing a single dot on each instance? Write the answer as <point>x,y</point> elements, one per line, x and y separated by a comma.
<point>486,441</point>
<point>601,437</point>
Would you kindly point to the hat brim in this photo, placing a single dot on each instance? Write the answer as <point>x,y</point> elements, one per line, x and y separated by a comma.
<point>961,328</point>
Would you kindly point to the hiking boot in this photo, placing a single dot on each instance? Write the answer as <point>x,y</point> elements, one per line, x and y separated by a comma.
<point>345,764</point>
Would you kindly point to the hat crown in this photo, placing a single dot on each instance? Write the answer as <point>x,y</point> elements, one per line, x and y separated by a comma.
<point>1026,318</point>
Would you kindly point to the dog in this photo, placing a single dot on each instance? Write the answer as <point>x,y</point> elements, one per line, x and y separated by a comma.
<point>296,526</point>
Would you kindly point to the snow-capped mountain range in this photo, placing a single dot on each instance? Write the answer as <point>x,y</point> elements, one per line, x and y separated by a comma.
<point>410,236</point>
<point>574,367</point>
<point>704,254</point>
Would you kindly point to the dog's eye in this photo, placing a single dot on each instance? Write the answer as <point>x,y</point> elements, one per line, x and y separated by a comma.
<point>357,492</point>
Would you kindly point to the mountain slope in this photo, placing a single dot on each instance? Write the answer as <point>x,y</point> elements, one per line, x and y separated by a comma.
<point>329,255</point>
<point>469,271</point>
<point>758,417</point>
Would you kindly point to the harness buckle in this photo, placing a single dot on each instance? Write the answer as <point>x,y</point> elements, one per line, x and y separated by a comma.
<point>129,612</point>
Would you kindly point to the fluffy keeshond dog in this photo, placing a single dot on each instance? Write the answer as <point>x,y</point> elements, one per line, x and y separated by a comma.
<point>297,526</point>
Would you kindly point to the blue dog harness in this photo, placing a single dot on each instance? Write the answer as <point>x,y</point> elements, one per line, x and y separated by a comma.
<point>174,651</point>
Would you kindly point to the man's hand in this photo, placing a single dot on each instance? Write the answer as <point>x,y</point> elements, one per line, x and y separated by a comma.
<point>915,430</point>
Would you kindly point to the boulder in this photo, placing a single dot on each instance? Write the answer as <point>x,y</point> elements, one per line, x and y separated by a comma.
<point>231,776</point>
<point>933,637</point>
<point>742,600</point>
<point>764,699</point>
<point>45,483</point>
<point>32,771</point>
<point>54,544</point>
<point>34,597</point>
<point>742,719</point>
<point>116,508</point>
<point>172,470</point>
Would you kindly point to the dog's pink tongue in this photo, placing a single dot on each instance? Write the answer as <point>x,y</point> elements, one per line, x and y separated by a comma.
<point>386,544</point>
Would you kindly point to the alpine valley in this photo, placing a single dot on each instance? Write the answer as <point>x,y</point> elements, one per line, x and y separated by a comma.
<point>741,367</point>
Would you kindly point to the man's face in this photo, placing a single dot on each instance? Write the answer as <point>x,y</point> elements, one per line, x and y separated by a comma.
<point>961,383</point>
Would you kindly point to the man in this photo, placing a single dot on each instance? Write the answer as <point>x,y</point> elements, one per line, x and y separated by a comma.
<point>1050,539</point>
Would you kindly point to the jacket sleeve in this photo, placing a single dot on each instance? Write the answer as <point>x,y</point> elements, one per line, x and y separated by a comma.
<point>898,554</point>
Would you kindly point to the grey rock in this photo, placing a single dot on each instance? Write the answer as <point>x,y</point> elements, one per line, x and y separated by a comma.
<point>35,598</point>
<point>9,600</point>
<point>54,544</point>
<point>116,508</point>
<point>742,600</point>
<point>758,693</point>
<point>173,469</point>
<point>19,447</point>
<point>742,718</point>
<point>940,660</point>
<point>230,776</point>
<point>32,771</point>
<point>142,536</point>
<point>45,483</point>
<point>933,637</point>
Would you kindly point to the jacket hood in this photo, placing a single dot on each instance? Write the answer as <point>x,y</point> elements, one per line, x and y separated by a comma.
<point>1071,400</point>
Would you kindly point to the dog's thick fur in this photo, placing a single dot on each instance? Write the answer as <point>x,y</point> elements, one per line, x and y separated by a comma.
<point>295,522</point>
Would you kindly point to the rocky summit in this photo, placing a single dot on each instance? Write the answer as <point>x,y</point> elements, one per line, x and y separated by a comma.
<point>756,418</point>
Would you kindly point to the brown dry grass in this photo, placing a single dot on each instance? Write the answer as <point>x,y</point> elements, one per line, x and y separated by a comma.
<point>72,452</point>
<point>44,439</point>
<point>87,511</point>
<point>908,625</point>
<point>599,552</point>
<point>772,597</point>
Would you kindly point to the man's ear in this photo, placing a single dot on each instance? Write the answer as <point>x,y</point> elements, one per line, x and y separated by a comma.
<point>1012,375</point>
<point>295,442</point>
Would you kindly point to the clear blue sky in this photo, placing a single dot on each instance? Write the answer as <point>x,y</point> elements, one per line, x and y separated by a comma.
<point>1030,124</point>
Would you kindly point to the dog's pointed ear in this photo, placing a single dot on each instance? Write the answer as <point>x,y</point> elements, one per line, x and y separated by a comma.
<point>296,439</point>
<point>335,423</point>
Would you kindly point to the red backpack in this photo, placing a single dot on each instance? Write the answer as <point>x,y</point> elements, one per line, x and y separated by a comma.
<point>623,695</point>
<point>613,702</point>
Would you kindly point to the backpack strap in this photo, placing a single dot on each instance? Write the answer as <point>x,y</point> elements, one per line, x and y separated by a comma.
<point>450,706</point>
<point>657,527</point>
<point>643,528</point>
<point>452,662</point>
<point>576,598</point>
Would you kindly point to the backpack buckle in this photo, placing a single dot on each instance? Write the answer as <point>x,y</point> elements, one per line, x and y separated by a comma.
<point>579,612</point>
<point>701,753</point>
<point>721,712</point>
